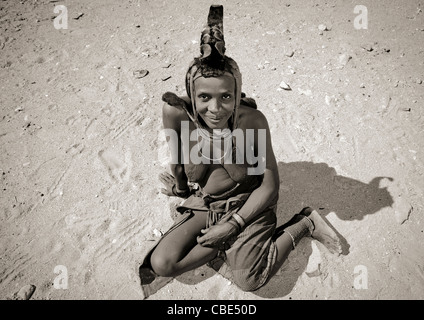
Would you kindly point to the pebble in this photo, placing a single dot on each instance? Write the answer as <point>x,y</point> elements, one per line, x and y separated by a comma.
<point>313,268</point>
<point>315,273</point>
<point>79,15</point>
<point>322,27</point>
<point>25,292</point>
<point>140,73</point>
<point>157,233</point>
<point>419,81</point>
<point>2,42</point>
<point>402,211</point>
<point>367,47</point>
<point>344,59</point>
<point>289,53</point>
<point>284,86</point>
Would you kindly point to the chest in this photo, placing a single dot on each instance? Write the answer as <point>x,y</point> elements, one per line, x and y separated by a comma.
<point>201,152</point>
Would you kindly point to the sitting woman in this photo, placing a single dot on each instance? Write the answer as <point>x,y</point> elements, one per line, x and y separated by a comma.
<point>233,212</point>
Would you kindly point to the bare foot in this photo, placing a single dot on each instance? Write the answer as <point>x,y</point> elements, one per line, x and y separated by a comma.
<point>323,232</point>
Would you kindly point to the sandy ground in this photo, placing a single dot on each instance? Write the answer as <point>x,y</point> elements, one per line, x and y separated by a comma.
<point>81,143</point>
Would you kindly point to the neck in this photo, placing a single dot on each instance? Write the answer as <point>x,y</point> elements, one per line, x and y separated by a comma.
<point>214,134</point>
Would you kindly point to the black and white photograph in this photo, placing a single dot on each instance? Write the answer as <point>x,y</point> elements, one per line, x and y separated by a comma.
<point>227,151</point>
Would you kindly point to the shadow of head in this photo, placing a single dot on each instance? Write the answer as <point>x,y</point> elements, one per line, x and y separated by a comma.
<point>319,186</point>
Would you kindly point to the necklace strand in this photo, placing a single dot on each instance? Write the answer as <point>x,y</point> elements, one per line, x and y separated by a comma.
<point>206,136</point>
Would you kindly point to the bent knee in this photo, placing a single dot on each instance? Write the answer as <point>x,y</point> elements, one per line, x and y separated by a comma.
<point>162,265</point>
<point>247,282</point>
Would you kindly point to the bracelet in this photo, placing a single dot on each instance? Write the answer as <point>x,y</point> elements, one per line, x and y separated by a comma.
<point>239,220</point>
<point>181,194</point>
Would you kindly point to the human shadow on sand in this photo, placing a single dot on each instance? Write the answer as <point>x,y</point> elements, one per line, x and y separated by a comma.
<point>319,186</point>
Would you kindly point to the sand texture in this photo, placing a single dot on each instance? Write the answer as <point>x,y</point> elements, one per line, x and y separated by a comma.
<point>82,143</point>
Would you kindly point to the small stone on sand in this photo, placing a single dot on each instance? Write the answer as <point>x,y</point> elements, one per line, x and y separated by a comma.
<point>25,293</point>
<point>140,73</point>
<point>284,86</point>
<point>322,27</point>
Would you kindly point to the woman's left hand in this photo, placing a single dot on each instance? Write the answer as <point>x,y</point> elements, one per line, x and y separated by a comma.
<point>217,235</point>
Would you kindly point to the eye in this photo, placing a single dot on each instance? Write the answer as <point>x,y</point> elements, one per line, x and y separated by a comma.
<point>203,97</point>
<point>226,96</point>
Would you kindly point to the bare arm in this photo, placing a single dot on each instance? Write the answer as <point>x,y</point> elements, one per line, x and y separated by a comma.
<point>267,192</point>
<point>262,197</point>
<point>171,118</point>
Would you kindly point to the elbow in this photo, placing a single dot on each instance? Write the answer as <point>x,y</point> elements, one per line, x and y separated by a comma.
<point>275,193</point>
<point>271,190</point>
<point>274,186</point>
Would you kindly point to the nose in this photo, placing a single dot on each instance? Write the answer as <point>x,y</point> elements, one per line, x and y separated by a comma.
<point>214,105</point>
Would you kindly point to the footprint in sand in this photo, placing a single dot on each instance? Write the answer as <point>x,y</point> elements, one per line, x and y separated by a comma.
<point>123,123</point>
<point>118,165</point>
<point>17,265</point>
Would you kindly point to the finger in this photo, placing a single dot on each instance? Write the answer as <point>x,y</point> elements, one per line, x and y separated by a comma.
<point>204,231</point>
<point>167,175</point>
<point>164,175</point>
<point>203,242</point>
<point>166,180</point>
<point>164,191</point>
<point>224,220</point>
<point>200,240</point>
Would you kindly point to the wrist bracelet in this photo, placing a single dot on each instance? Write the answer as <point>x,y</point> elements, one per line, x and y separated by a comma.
<point>181,194</point>
<point>239,220</point>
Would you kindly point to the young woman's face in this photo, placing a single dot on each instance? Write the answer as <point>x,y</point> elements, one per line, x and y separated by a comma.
<point>215,100</point>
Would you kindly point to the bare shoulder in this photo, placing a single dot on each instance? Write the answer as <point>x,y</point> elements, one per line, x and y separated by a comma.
<point>173,116</point>
<point>250,118</point>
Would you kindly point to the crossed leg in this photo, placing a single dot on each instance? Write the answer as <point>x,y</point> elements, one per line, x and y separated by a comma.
<point>179,252</point>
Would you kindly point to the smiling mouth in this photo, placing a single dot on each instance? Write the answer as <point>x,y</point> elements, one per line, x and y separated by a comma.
<point>215,119</point>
